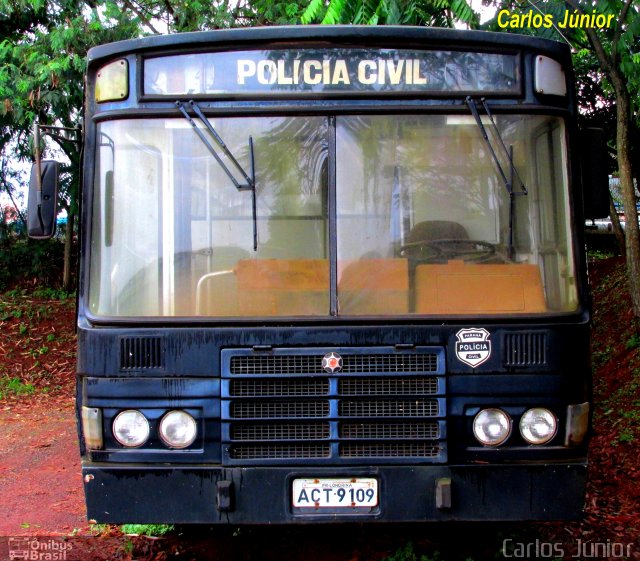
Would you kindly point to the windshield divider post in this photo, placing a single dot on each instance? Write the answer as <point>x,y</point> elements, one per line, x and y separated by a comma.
<point>254,204</point>
<point>512,209</point>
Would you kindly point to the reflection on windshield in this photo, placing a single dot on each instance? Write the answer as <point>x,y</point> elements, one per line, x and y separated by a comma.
<point>423,223</point>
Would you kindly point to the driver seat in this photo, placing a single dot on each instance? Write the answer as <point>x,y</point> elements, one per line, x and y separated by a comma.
<point>432,230</point>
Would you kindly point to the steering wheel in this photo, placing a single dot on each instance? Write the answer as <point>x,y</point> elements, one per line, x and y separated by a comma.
<point>441,251</point>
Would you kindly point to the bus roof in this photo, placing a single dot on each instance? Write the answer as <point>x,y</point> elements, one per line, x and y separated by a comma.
<point>382,36</point>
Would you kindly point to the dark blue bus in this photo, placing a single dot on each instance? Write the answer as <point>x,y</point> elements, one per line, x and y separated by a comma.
<point>333,274</point>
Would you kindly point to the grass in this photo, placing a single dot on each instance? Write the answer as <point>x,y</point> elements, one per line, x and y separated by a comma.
<point>14,386</point>
<point>147,529</point>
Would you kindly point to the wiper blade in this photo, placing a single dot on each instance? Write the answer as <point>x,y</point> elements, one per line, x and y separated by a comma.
<point>249,178</point>
<point>508,182</point>
<point>507,151</point>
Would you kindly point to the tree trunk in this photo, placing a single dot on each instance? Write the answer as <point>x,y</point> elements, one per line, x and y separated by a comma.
<point>631,230</point>
<point>618,232</point>
<point>68,243</point>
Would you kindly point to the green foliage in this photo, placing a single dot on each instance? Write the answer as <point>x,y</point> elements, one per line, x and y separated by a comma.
<point>14,386</point>
<point>442,13</point>
<point>408,553</point>
<point>633,342</point>
<point>147,529</point>
<point>34,262</point>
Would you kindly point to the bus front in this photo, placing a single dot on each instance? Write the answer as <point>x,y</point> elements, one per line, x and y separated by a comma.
<point>332,274</point>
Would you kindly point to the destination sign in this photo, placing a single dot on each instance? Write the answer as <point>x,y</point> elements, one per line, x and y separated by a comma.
<point>336,71</point>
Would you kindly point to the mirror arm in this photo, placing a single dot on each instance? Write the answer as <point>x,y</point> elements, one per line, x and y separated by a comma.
<point>36,147</point>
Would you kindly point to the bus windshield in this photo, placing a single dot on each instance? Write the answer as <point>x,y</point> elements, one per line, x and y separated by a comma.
<point>362,215</point>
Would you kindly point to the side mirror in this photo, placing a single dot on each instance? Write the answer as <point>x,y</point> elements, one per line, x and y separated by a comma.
<point>595,175</point>
<point>43,198</point>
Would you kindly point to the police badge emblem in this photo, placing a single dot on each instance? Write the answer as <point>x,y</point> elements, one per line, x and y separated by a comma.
<point>473,346</point>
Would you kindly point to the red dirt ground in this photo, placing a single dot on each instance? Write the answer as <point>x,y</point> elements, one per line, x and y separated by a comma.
<point>41,489</point>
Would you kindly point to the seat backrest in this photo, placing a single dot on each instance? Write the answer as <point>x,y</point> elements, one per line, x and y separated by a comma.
<point>430,230</point>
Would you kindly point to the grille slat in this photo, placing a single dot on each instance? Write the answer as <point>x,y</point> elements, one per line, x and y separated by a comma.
<point>278,409</point>
<point>390,450</point>
<point>354,363</point>
<point>280,431</point>
<point>389,386</point>
<point>141,353</point>
<point>279,451</point>
<point>279,387</point>
<point>389,408</point>
<point>525,349</point>
<point>390,431</point>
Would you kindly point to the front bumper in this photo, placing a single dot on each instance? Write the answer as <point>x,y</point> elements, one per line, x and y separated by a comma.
<point>137,493</point>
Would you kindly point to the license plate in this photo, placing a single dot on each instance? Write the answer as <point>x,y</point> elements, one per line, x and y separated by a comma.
<point>354,492</point>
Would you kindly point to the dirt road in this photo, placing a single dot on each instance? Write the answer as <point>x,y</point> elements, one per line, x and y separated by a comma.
<point>40,480</point>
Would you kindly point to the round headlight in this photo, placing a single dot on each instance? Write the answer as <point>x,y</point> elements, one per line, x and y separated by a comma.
<point>131,428</point>
<point>178,429</point>
<point>538,426</point>
<point>492,427</point>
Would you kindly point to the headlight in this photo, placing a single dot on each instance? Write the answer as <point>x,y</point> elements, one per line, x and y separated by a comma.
<point>538,426</point>
<point>131,428</point>
<point>178,429</point>
<point>492,427</point>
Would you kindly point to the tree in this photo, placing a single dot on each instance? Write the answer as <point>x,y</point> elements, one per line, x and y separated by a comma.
<point>616,52</point>
<point>42,62</point>
<point>619,59</point>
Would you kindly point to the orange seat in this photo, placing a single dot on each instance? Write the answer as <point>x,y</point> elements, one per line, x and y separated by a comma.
<point>459,288</point>
<point>283,287</point>
<point>373,287</point>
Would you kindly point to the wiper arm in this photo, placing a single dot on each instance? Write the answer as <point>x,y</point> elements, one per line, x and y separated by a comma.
<point>508,182</point>
<point>508,152</point>
<point>250,180</point>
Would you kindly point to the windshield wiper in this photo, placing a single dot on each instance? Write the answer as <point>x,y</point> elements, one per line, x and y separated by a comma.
<point>508,182</point>
<point>249,178</point>
<point>513,172</point>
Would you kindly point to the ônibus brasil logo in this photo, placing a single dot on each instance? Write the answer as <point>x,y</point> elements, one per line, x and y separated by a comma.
<point>473,346</point>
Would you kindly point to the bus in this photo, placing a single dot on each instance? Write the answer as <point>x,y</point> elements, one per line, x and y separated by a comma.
<point>332,274</point>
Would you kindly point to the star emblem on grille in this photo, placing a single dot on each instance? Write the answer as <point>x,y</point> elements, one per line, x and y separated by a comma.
<point>332,362</point>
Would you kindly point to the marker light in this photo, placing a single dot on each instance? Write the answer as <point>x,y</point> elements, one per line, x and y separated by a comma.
<point>538,426</point>
<point>112,81</point>
<point>549,78</point>
<point>131,428</point>
<point>492,427</point>
<point>92,427</point>
<point>178,429</point>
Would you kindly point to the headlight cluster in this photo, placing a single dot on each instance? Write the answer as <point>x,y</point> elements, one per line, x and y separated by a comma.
<point>492,427</point>
<point>177,429</point>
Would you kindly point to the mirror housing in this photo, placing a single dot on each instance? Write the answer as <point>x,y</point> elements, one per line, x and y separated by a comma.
<point>43,200</point>
<point>595,175</point>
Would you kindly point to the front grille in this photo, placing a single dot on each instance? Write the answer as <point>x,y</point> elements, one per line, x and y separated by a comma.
<point>525,349</point>
<point>280,406</point>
